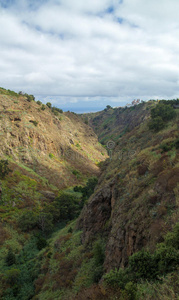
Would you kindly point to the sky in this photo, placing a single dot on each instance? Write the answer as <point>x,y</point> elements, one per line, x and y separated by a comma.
<point>82,55</point>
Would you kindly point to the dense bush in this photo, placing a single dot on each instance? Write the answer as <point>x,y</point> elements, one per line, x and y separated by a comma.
<point>166,258</point>
<point>170,145</point>
<point>45,221</point>
<point>49,104</point>
<point>12,276</point>
<point>34,122</point>
<point>10,258</point>
<point>56,110</point>
<point>43,107</point>
<point>88,189</point>
<point>143,265</point>
<point>172,238</point>
<point>161,114</point>
<point>165,111</point>
<point>4,168</point>
<point>41,242</point>
<point>67,206</point>
<point>99,256</point>
<point>28,220</point>
<point>29,97</point>
<point>116,278</point>
<point>39,102</point>
<point>156,124</point>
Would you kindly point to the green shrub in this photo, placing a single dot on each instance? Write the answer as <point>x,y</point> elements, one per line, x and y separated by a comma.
<point>167,258</point>
<point>39,102</point>
<point>165,111</point>
<point>49,104</point>
<point>4,169</point>
<point>67,206</point>
<point>116,278</point>
<point>29,97</point>
<point>167,146</point>
<point>143,265</point>
<point>43,107</point>
<point>88,189</point>
<point>86,122</point>
<point>161,114</point>
<point>131,290</point>
<point>28,220</point>
<point>56,110</point>
<point>76,173</point>
<point>98,251</point>
<point>172,238</point>
<point>34,122</point>
<point>98,273</point>
<point>12,276</point>
<point>51,155</point>
<point>45,221</point>
<point>156,124</point>
<point>10,259</point>
<point>99,256</point>
<point>41,242</point>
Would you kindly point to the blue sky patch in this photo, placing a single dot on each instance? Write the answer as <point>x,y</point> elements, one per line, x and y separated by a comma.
<point>6,3</point>
<point>110,10</point>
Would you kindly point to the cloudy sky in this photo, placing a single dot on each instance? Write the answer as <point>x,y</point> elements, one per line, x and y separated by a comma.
<point>84,54</point>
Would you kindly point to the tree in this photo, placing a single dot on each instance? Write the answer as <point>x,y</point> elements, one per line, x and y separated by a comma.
<point>28,220</point>
<point>156,124</point>
<point>49,104</point>
<point>45,221</point>
<point>143,265</point>
<point>67,205</point>
<point>39,102</point>
<point>12,276</point>
<point>30,97</point>
<point>10,258</point>
<point>164,111</point>
<point>161,114</point>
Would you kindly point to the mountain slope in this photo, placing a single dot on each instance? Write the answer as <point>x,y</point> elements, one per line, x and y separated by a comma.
<point>46,253</point>
<point>136,200</point>
<point>59,147</point>
<point>113,123</point>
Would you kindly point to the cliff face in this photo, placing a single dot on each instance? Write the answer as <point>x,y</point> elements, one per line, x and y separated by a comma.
<point>136,201</point>
<point>58,147</point>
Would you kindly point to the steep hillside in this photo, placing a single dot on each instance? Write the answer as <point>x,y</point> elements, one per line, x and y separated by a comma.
<point>44,153</point>
<point>59,147</point>
<point>125,242</point>
<point>113,123</point>
<point>137,194</point>
<point>133,207</point>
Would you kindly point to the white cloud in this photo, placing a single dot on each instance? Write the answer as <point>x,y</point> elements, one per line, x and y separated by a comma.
<point>83,51</point>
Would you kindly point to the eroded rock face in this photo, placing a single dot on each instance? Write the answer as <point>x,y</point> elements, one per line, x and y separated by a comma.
<point>127,222</point>
<point>123,238</point>
<point>95,214</point>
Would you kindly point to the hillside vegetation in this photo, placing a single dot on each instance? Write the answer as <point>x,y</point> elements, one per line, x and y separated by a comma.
<point>84,225</point>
